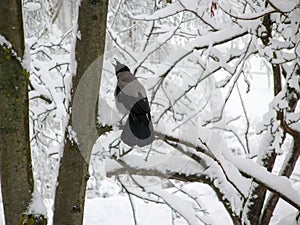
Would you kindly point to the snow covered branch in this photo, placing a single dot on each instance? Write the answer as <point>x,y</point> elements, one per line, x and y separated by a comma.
<point>279,185</point>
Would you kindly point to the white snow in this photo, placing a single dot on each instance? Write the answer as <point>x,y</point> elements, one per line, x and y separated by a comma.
<point>159,164</point>
<point>37,206</point>
<point>26,61</point>
<point>293,120</point>
<point>106,114</point>
<point>183,207</point>
<point>117,209</point>
<point>280,184</point>
<point>31,6</point>
<point>5,42</point>
<point>284,6</point>
<point>294,82</point>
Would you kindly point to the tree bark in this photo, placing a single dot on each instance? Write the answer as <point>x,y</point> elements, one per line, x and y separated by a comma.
<point>287,171</point>
<point>258,193</point>
<point>16,173</point>
<point>11,27</point>
<point>291,158</point>
<point>73,173</point>
<point>16,170</point>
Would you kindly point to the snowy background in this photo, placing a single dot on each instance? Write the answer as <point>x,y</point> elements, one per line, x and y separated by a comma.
<point>150,38</point>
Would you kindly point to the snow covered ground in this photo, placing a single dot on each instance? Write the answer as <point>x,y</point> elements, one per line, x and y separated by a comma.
<point>117,210</point>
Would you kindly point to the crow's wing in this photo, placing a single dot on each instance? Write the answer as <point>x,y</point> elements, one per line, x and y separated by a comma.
<point>132,94</point>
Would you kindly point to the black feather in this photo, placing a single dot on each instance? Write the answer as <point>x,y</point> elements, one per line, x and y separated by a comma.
<point>140,119</point>
<point>125,68</point>
<point>138,128</point>
<point>117,91</point>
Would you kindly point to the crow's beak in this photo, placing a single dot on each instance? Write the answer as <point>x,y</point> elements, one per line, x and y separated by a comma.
<point>115,63</point>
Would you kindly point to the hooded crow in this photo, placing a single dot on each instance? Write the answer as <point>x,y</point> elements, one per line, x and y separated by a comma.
<point>131,98</point>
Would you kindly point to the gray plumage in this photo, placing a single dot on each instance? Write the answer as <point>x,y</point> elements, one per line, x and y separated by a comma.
<point>131,99</point>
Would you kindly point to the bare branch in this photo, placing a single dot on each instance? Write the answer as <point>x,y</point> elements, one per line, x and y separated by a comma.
<point>247,121</point>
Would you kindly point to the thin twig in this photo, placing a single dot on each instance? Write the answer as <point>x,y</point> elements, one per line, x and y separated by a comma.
<point>130,200</point>
<point>247,120</point>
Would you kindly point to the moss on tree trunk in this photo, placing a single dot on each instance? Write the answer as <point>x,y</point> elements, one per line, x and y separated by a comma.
<point>16,176</point>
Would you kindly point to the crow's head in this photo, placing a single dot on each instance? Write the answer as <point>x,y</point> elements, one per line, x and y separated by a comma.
<point>119,67</point>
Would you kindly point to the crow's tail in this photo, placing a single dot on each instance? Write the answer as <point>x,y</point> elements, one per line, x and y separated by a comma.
<point>138,130</point>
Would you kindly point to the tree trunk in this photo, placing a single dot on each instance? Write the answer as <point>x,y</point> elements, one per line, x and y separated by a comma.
<point>258,193</point>
<point>294,153</point>
<point>16,171</point>
<point>16,174</point>
<point>73,173</point>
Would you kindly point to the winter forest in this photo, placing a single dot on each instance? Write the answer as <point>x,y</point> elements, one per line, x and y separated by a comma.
<point>222,80</point>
